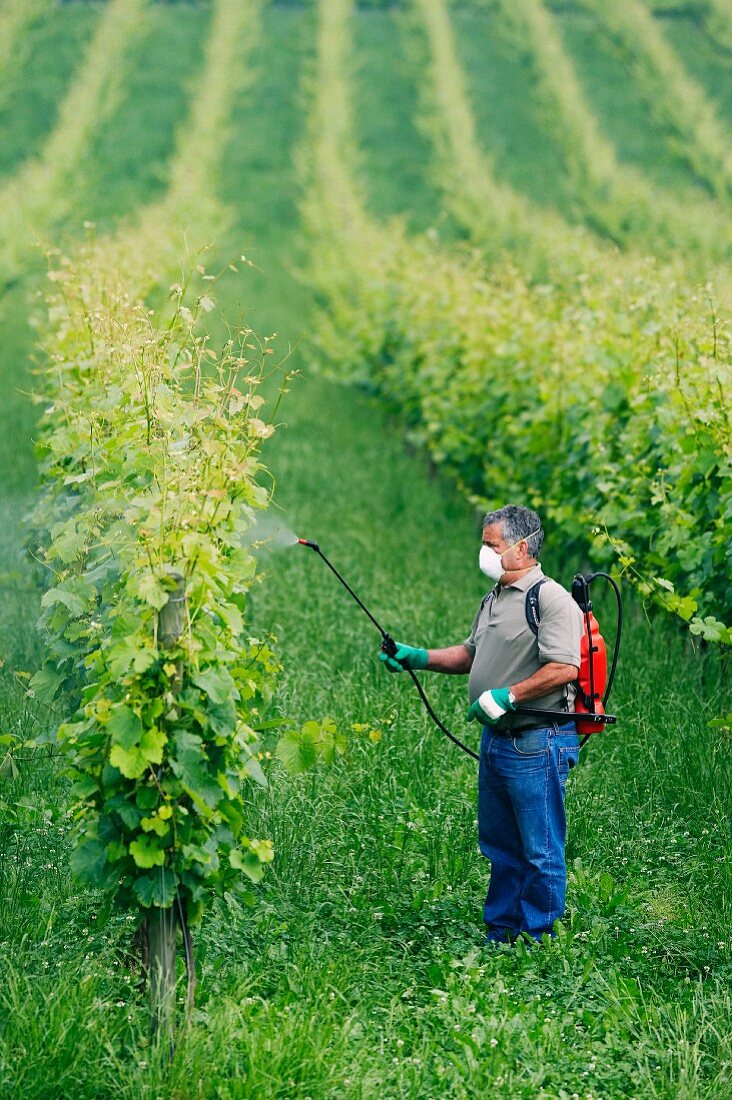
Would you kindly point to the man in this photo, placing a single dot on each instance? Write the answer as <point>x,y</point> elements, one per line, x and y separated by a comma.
<point>524,763</point>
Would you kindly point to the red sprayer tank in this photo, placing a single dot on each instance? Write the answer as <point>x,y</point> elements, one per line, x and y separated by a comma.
<point>592,679</point>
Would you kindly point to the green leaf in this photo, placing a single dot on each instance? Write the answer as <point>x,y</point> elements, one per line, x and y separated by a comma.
<point>125,727</point>
<point>222,718</point>
<point>146,853</point>
<point>296,751</point>
<point>300,750</point>
<point>116,850</point>
<point>152,743</point>
<point>194,853</point>
<point>73,604</point>
<point>89,862</point>
<point>131,762</point>
<point>254,769</point>
<point>217,684</point>
<point>288,752</point>
<point>262,849</point>
<point>232,616</point>
<point>152,590</point>
<point>8,767</point>
<point>45,684</point>
<point>129,814</point>
<point>155,824</point>
<point>156,890</point>
<point>128,654</point>
<point>711,629</point>
<point>84,786</point>
<point>247,862</point>
<point>147,797</point>
<point>192,768</point>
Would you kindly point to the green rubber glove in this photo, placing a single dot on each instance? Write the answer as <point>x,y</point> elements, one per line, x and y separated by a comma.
<point>406,657</point>
<point>491,706</point>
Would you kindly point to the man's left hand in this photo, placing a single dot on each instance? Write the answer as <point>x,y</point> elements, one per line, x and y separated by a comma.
<point>491,706</point>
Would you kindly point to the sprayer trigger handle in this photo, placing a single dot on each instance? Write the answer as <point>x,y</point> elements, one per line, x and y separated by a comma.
<point>389,646</point>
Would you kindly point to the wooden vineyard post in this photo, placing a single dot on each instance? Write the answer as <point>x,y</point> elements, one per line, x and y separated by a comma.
<point>161,923</point>
<point>172,616</point>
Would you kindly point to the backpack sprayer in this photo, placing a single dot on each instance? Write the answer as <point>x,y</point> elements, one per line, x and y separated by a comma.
<point>593,682</point>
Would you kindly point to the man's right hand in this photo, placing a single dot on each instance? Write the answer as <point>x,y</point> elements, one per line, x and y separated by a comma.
<point>406,656</point>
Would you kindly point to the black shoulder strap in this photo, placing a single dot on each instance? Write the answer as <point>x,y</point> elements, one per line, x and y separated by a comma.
<point>532,606</point>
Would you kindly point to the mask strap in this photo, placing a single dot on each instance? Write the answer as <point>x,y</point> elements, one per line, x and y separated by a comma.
<point>524,538</point>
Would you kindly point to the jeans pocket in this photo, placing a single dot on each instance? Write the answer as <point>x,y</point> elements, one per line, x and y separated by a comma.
<point>533,743</point>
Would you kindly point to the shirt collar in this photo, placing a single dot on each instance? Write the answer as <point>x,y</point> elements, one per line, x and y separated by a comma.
<point>523,584</point>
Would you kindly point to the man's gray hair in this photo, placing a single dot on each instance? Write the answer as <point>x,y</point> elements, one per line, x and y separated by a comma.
<point>518,523</point>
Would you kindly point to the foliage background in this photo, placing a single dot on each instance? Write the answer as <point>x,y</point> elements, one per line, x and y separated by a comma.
<point>355,968</point>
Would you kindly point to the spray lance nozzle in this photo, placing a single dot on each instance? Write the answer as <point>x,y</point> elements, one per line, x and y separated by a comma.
<point>313,545</point>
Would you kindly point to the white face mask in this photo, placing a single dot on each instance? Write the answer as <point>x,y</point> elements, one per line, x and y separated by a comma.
<point>491,562</point>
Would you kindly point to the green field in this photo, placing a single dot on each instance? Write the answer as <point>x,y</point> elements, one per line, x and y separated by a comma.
<point>356,969</point>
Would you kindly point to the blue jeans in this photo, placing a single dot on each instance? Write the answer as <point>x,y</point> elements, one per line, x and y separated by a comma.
<point>522,827</point>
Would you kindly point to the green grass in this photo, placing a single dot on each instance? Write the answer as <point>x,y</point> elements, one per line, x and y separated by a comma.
<point>709,64</point>
<point>623,117</point>
<point>396,161</point>
<point>509,116</point>
<point>129,163</point>
<point>29,100</point>
<point>358,970</point>
<point>259,177</point>
<point>508,123</point>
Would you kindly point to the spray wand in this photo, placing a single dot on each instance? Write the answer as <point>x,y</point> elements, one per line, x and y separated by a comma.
<point>389,647</point>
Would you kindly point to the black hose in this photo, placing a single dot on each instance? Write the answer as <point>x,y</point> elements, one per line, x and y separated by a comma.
<point>389,647</point>
<point>616,648</point>
<point>440,725</point>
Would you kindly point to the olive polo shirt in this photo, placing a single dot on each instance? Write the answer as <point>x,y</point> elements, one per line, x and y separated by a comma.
<point>506,651</point>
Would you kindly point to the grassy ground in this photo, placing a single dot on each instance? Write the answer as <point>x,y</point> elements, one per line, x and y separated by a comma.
<point>358,970</point>
<point>708,63</point>
<point>34,89</point>
<point>259,178</point>
<point>396,164</point>
<point>620,111</point>
<point>509,117</point>
<point>507,121</point>
<point>128,167</point>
